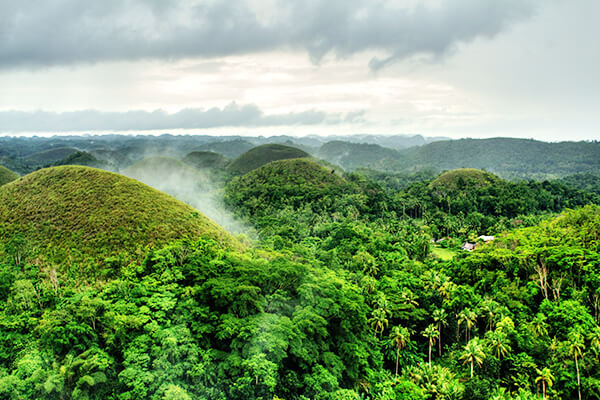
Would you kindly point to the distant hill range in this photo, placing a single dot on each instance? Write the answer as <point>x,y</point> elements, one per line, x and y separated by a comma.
<point>506,157</point>
<point>391,141</point>
<point>351,156</point>
<point>509,158</point>
<point>229,148</point>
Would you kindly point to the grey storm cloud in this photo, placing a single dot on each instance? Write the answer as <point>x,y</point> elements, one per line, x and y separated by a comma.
<point>63,32</point>
<point>232,115</point>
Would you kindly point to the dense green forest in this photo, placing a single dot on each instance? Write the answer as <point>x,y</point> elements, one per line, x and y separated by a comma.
<point>345,285</point>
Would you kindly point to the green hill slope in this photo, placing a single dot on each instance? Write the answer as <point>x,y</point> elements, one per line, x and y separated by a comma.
<point>462,178</point>
<point>83,158</point>
<point>356,155</point>
<point>50,156</point>
<point>6,175</point>
<point>74,214</point>
<point>205,159</point>
<point>228,148</point>
<point>509,158</point>
<point>261,155</point>
<point>283,183</point>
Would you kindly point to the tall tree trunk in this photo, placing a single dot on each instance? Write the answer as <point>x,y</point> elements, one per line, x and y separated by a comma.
<point>430,354</point>
<point>440,342</point>
<point>397,357</point>
<point>578,381</point>
<point>471,368</point>
<point>544,389</point>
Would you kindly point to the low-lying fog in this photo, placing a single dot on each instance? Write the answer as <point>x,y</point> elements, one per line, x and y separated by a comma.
<point>194,187</point>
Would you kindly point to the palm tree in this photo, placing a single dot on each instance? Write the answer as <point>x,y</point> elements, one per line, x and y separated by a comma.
<point>438,282</point>
<point>576,348</point>
<point>505,324</point>
<point>539,325</point>
<point>407,297</point>
<point>432,334</point>
<point>473,353</point>
<point>498,342</point>
<point>490,309</point>
<point>468,317</point>
<point>379,320</point>
<point>383,303</point>
<point>545,376</point>
<point>368,284</point>
<point>471,321</point>
<point>440,316</point>
<point>400,336</point>
<point>594,338</point>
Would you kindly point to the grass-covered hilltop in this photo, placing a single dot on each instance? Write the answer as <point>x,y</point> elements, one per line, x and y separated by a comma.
<point>205,159</point>
<point>71,216</point>
<point>458,179</point>
<point>369,284</point>
<point>261,155</point>
<point>283,182</point>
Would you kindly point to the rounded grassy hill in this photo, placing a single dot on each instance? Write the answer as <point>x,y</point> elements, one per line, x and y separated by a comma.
<point>261,155</point>
<point>6,175</point>
<point>82,158</point>
<point>205,159</point>
<point>283,183</point>
<point>75,215</point>
<point>459,179</point>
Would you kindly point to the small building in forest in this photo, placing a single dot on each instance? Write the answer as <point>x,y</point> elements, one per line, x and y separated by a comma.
<point>468,246</point>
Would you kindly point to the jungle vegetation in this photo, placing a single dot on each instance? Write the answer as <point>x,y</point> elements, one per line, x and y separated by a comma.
<point>114,290</point>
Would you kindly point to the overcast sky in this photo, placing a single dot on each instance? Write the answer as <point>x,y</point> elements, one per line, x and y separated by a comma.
<point>458,68</point>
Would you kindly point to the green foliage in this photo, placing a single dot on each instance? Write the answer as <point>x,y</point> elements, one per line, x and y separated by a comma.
<point>468,203</point>
<point>586,182</point>
<point>112,290</point>
<point>200,321</point>
<point>396,181</point>
<point>284,183</point>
